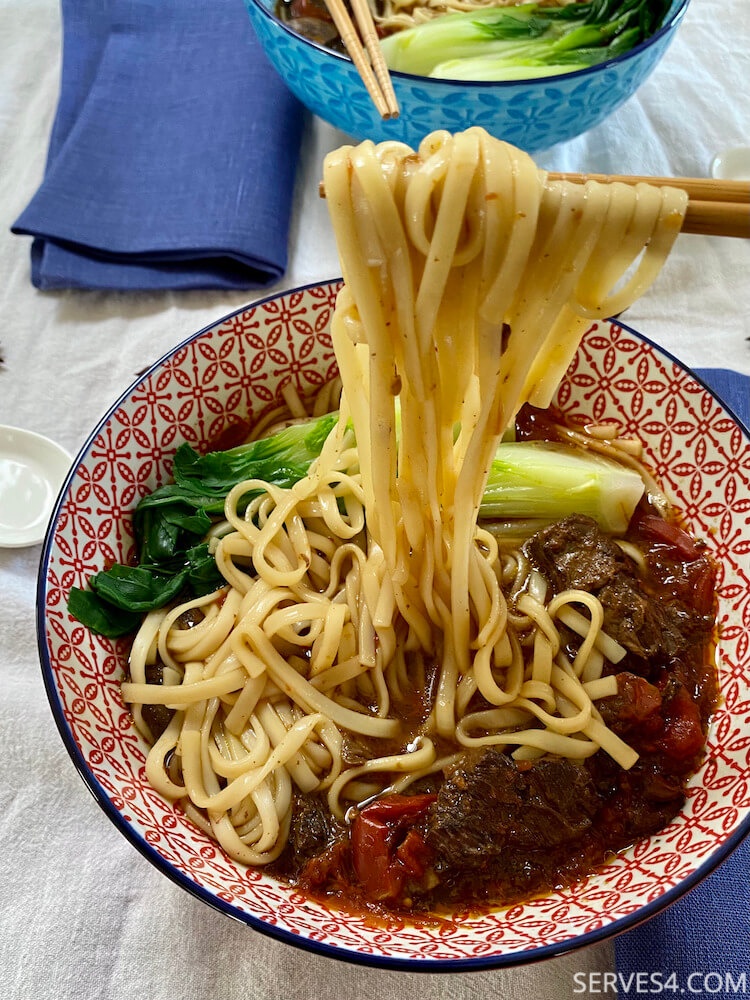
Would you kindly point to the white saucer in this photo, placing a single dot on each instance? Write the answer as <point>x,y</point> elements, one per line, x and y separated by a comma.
<point>732,164</point>
<point>32,470</point>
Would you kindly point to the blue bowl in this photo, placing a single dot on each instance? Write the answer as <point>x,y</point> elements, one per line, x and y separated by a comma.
<point>530,114</point>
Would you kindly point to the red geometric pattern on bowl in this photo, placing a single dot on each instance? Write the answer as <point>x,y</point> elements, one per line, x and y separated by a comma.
<point>232,371</point>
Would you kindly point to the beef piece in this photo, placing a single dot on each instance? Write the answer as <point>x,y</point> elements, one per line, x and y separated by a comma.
<point>488,808</point>
<point>156,717</point>
<point>574,553</point>
<point>649,628</point>
<point>312,830</point>
<point>356,750</point>
<point>656,630</point>
<point>189,618</point>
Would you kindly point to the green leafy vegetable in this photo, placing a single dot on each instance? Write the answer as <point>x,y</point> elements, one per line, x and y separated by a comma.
<point>537,482</point>
<point>101,616</point>
<point>169,518</point>
<point>527,41</point>
<point>171,523</point>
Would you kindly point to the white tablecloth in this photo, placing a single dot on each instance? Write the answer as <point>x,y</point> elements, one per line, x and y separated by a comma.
<point>83,914</point>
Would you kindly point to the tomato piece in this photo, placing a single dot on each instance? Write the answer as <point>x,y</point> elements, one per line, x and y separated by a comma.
<point>386,849</point>
<point>635,711</point>
<point>413,854</point>
<point>683,547</point>
<point>643,698</point>
<point>702,582</point>
<point>397,809</point>
<point>640,703</point>
<point>372,857</point>
<point>324,867</point>
<point>683,737</point>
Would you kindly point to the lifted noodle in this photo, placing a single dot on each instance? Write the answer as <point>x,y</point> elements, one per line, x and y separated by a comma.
<point>469,280</point>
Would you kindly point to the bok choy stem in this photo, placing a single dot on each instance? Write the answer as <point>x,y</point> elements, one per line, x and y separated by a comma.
<point>530,40</point>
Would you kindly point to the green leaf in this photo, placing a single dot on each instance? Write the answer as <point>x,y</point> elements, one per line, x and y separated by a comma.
<point>137,588</point>
<point>172,521</point>
<point>100,616</point>
<point>202,574</point>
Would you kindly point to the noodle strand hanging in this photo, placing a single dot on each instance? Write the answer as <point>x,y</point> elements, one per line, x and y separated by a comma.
<point>469,279</point>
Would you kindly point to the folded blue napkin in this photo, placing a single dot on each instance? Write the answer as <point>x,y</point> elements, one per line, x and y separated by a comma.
<point>173,152</point>
<point>699,946</point>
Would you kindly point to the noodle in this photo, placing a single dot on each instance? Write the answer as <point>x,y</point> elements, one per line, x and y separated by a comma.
<point>468,282</point>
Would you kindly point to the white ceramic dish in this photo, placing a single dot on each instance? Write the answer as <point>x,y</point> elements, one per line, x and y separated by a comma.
<point>233,370</point>
<point>32,470</point>
<point>732,164</point>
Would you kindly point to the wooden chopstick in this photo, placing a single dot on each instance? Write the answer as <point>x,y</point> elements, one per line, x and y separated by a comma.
<point>366,24</point>
<point>700,188</point>
<point>717,218</point>
<point>715,207</point>
<point>366,53</point>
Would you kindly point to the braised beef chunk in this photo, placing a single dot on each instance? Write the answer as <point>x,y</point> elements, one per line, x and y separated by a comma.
<point>639,802</point>
<point>156,717</point>
<point>656,801</point>
<point>651,629</point>
<point>312,830</point>
<point>488,809</point>
<point>574,553</point>
<point>355,750</point>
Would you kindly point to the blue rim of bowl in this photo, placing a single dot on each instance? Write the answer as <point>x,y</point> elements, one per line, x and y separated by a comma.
<point>669,24</point>
<point>477,964</point>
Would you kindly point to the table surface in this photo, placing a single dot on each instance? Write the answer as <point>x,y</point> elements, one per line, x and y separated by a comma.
<point>84,915</point>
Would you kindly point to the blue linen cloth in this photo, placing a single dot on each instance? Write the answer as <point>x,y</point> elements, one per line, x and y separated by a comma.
<point>173,152</point>
<point>699,946</point>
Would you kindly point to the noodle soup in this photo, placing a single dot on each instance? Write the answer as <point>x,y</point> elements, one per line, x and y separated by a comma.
<point>657,401</point>
<point>368,684</point>
<point>375,809</point>
<point>531,113</point>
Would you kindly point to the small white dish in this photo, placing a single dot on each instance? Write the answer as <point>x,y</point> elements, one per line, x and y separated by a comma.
<point>732,164</point>
<point>32,470</point>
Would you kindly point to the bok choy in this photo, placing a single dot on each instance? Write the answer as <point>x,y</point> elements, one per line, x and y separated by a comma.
<point>531,480</point>
<point>532,483</point>
<point>523,42</point>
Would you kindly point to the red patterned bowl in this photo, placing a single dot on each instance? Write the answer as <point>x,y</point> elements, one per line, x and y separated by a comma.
<point>233,370</point>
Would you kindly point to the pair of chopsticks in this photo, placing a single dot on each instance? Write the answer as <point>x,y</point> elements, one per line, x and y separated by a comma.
<point>366,53</point>
<point>715,207</point>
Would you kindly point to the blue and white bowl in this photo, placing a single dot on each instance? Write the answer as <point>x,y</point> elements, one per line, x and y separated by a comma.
<point>531,114</point>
